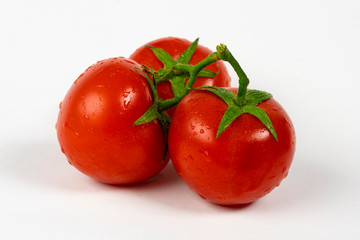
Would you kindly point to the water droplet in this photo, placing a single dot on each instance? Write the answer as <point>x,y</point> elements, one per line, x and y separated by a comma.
<point>66,125</point>
<point>126,102</point>
<point>91,130</point>
<point>127,98</point>
<point>128,61</point>
<point>100,86</point>
<point>194,133</point>
<point>268,190</point>
<point>79,77</point>
<point>206,153</point>
<point>86,116</point>
<point>202,171</point>
<point>201,130</point>
<point>202,196</point>
<point>207,127</point>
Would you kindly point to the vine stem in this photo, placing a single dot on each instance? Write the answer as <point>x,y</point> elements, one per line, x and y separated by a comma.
<point>222,53</point>
<point>151,84</point>
<point>193,71</point>
<point>225,55</point>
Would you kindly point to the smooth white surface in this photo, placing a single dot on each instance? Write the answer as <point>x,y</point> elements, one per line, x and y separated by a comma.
<point>304,52</point>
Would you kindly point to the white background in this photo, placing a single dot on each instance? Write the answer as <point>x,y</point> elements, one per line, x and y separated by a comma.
<point>306,53</point>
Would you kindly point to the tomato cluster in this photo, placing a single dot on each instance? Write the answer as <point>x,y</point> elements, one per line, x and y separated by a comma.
<point>114,124</point>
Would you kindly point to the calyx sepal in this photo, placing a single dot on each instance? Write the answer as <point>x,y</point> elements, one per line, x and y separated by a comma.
<point>252,98</point>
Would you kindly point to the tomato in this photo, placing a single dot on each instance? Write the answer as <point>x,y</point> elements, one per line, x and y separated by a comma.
<point>243,164</point>
<point>175,47</point>
<point>95,124</point>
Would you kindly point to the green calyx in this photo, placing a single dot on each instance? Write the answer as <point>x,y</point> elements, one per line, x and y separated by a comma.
<point>177,71</point>
<point>251,99</point>
<point>244,102</point>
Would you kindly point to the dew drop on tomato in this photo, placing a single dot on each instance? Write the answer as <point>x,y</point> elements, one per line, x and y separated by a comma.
<point>128,61</point>
<point>91,130</point>
<point>268,190</point>
<point>202,196</point>
<point>272,177</point>
<point>201,170</point>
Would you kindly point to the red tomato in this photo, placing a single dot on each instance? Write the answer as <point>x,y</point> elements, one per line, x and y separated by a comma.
<point>244,164</point>
<point>95,124</point>
<point>175,47</point>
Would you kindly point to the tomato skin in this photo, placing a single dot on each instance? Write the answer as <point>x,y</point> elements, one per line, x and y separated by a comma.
<point>244,164</point>
<point>175,47</point>
<point>95,124</point>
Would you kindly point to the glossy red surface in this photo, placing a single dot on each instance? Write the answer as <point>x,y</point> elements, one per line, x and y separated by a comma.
<point>95,124</point>
<point>244,164</point>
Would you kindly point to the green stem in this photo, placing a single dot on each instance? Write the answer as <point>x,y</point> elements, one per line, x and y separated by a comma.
<point>180,92</point>
<point>213,57</point>
<point>151,84</point>
<point>226,55</point>
<point>164,105</point>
